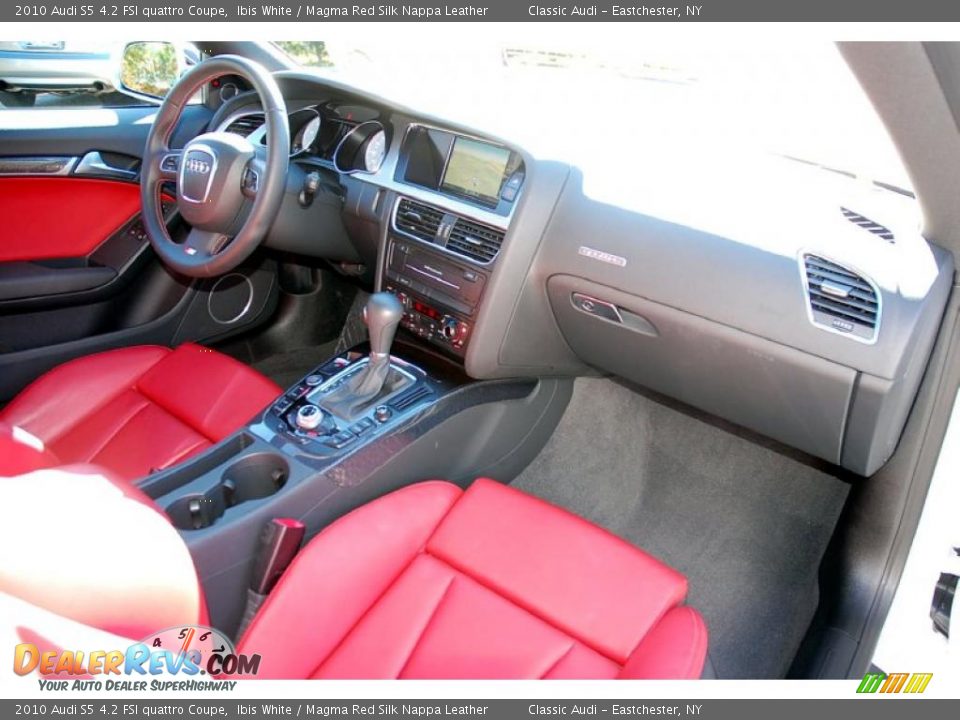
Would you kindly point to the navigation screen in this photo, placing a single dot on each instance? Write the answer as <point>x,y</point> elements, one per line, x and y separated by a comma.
<point>476,170</point>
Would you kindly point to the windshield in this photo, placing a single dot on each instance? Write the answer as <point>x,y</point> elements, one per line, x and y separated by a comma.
<point>613,103</point>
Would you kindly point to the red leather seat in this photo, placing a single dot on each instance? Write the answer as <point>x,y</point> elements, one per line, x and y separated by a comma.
<point>426,582</point>
<point>131,410</point>
<point>434,582</point>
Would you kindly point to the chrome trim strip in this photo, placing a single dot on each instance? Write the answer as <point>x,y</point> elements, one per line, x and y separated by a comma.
<point>846,266</point>
<point>290,114</point>
<point>48,165</point>
<point>336,151</point>
<point>93,164</point>
<point>596,301</point>
<point>246,306</point>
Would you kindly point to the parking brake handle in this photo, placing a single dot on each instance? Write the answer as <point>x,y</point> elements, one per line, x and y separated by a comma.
<point>279,543</point>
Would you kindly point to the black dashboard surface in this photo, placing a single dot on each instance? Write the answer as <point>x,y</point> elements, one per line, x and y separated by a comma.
<point>703,291</point>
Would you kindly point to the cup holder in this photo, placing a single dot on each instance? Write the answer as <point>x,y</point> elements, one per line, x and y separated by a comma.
<point>254,477</point>
<point>251,478</point>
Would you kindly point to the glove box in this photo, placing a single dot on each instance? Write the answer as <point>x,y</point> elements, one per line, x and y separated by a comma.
<point>778,391</point>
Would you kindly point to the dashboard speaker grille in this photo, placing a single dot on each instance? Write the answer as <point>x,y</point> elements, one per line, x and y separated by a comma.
<point>417,219</point>
<point>866,223</point>
<point>474,241</point>
<point>246,125</point>
<point>840,299</point>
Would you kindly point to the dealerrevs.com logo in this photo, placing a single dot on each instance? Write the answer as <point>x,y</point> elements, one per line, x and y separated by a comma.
<point>201,657</point>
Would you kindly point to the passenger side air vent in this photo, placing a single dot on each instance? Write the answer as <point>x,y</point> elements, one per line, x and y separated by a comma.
<point>474,241</point>
<point>246,125</point>
<point>841,300</point>
<point>417,219</point>
<point>868,224</point>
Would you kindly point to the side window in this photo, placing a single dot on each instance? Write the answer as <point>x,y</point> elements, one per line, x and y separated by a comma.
<point>74,73</point>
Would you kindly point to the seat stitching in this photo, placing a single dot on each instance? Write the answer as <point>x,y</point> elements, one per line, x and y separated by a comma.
<point>350,631</point>
<point>97,408</point>
<point>426,626</point>
<point>529,610</point>
<point>556,662</point>
<point>186,421</point>
<point>126,422</point>
<point>140,410</point>
<point>376,601</point>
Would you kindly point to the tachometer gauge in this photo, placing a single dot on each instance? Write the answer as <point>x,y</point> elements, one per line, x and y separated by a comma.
<point>306,137</point>
<point>375,152</point>
<point>363,149</point>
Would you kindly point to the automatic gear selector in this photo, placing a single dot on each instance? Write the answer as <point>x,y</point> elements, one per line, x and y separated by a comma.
<point>378,376</point>
<point>354,396</point>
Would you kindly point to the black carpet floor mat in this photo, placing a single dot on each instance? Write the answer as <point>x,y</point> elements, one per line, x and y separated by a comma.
<point>746,523</point>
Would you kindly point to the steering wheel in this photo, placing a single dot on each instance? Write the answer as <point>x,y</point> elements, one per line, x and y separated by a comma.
<point>228,190</point>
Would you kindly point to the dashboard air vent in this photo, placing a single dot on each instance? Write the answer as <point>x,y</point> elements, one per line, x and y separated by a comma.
<point>417,219</point>
<point>840,299</point>
<point>868,224</point>
<point>475,241</point>
<point>246,125</point>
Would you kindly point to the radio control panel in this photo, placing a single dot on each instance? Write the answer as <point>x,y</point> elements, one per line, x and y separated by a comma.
<point>430,323</point>
<point>440,296</point>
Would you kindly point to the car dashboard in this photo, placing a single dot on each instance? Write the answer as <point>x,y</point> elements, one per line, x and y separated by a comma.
<point>804,315</point>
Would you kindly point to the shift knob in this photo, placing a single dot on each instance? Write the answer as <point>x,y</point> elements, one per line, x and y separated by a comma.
<point>382,315</point>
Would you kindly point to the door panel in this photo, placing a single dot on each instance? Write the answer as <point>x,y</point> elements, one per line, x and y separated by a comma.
<point>61,217</point>
<point>77,274</point>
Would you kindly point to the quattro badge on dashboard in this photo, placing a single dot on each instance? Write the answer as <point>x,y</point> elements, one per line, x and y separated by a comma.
<point>602,256</point>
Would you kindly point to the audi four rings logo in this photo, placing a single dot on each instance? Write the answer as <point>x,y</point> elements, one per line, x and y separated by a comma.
<point>198,166</point>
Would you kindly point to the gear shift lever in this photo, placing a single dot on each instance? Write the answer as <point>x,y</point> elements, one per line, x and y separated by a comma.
<point>382,314</point>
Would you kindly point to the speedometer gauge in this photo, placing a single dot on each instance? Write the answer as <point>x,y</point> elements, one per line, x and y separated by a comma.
<point>362,149</point>
<point>307,136</point>
<point>375,152</point>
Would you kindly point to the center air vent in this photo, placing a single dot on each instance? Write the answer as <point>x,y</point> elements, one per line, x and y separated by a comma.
<point>417,219</point>
<point>475,241</point>
<point>867,224</point>
<point>841,300</point>
<point>246,125</point>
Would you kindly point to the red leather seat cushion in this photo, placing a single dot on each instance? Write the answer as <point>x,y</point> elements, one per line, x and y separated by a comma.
<point>133,410</point>
<point>433,582</point>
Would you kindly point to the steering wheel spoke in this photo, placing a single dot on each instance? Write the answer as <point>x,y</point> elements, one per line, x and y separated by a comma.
<point>202,243</point>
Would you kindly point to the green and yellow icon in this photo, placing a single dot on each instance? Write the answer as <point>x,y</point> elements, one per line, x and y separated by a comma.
<point>879,682</point>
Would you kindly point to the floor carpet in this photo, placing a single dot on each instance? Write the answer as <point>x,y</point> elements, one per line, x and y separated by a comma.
<point>746,522</point>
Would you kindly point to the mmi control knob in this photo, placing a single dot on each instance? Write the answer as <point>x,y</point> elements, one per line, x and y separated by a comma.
<point>309,417</point>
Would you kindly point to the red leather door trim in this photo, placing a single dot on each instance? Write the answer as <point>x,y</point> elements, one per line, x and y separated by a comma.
<point>57,217</point>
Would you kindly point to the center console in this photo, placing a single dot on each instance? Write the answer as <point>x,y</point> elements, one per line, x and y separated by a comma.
<point>439,256</point>
<point>390,412</point>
